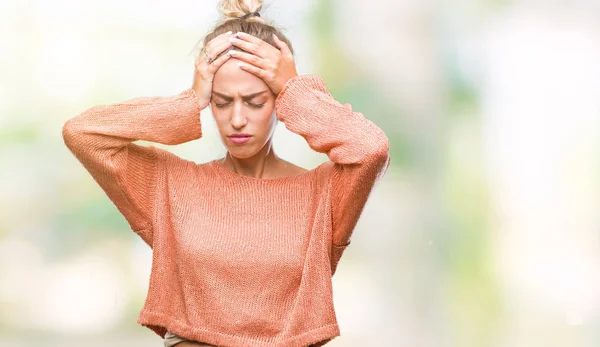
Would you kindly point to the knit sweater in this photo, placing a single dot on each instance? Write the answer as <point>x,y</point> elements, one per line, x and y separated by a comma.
<point>236,260</point>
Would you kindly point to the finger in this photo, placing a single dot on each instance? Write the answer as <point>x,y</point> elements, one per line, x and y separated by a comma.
<point>249,58</point>
<point>216,64</point>
<point>252,69</point>
<point>224,37</point>
<point>283,47</point>
<point>247,46</point>
<point>218,44</point>
<point>247,37</point>
<point>213,53</point>
<point>220,38</point>
<point>261,44</point>
<point>220,48</point>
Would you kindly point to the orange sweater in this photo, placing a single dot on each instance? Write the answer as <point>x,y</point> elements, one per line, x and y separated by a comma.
<point>236,260</point>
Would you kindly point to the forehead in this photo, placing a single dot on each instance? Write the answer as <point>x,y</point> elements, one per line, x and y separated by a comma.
<point>232,80</point>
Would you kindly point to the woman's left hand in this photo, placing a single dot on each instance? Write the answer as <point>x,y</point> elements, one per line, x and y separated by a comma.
<point>272,65</point>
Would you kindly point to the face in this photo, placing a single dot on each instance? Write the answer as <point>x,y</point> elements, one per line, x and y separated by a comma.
<point>242,103</point>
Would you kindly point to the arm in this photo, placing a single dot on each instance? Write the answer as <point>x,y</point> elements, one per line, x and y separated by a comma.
<point>358,148</point>
<point>102,137</point>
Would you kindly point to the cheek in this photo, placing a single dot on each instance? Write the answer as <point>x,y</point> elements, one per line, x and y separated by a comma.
<point>267,120</point>
<point>220,118</point>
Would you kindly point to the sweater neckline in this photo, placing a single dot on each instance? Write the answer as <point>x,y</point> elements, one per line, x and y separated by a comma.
<point>238,176</point>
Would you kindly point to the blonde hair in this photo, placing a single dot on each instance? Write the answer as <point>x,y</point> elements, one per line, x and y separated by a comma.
<point>231,12</point>
<point>238,8</point>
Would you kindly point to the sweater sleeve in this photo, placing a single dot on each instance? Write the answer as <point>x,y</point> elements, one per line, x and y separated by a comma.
<point>102,137</point>
<point>358,148</point>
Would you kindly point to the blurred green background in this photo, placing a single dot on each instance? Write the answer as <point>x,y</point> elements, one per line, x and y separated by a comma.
<point>484,231</point>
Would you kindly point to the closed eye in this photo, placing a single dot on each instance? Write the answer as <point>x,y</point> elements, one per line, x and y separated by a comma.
<point>251,105</point>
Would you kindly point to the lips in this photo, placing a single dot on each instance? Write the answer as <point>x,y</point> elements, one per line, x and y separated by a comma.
<point>240,138</point>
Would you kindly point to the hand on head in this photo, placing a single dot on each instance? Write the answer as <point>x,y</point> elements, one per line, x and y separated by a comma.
<point>205,67</point>
<point>274,65</point>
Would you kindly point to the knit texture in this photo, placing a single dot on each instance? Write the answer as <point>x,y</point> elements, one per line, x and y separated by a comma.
<point>236,260</point>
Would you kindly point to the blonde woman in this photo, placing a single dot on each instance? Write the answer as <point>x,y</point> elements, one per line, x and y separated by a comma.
<point>244,247</point>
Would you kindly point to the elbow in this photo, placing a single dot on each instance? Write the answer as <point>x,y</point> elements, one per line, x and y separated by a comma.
<point>380,150</point>
<point>379,156</point>
<point>69,133</point>
<point>372,150</point>
<point>73,133</point>
<point>384,145</point>
<point>73,130</point>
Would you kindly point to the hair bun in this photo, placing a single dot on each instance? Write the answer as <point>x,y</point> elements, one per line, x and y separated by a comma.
<point>244,9</point>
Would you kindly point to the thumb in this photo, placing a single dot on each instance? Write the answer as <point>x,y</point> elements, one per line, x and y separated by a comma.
<point>283,47</point>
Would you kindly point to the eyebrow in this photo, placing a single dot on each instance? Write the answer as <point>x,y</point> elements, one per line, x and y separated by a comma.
<point>245,97</point>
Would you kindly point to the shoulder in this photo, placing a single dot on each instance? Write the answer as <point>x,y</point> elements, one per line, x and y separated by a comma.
<point>172,165</point>
<point>290,169</point>
<point>320,174</point>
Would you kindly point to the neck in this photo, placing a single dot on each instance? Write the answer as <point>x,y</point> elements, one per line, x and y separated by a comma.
<point>261,165</point>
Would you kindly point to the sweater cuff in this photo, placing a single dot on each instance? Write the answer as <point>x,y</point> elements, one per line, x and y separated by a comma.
<point>192,128</point>
<point>295,90</point>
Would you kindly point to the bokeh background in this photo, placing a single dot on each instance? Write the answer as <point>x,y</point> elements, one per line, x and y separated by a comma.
<point>484,231</point>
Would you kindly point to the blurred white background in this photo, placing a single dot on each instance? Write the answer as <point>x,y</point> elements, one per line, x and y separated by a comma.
<point>484,232</point>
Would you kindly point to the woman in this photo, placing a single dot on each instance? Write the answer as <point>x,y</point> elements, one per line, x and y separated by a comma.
<point>244,246</point>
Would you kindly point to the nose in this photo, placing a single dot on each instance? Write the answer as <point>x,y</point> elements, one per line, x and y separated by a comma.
<point>238,118</point>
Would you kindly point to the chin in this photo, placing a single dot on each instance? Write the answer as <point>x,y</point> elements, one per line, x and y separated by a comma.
<point>245,151</point>
<point>242,153</point>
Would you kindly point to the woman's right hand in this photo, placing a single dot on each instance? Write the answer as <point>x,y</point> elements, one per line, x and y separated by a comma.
<point>204,71</point>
